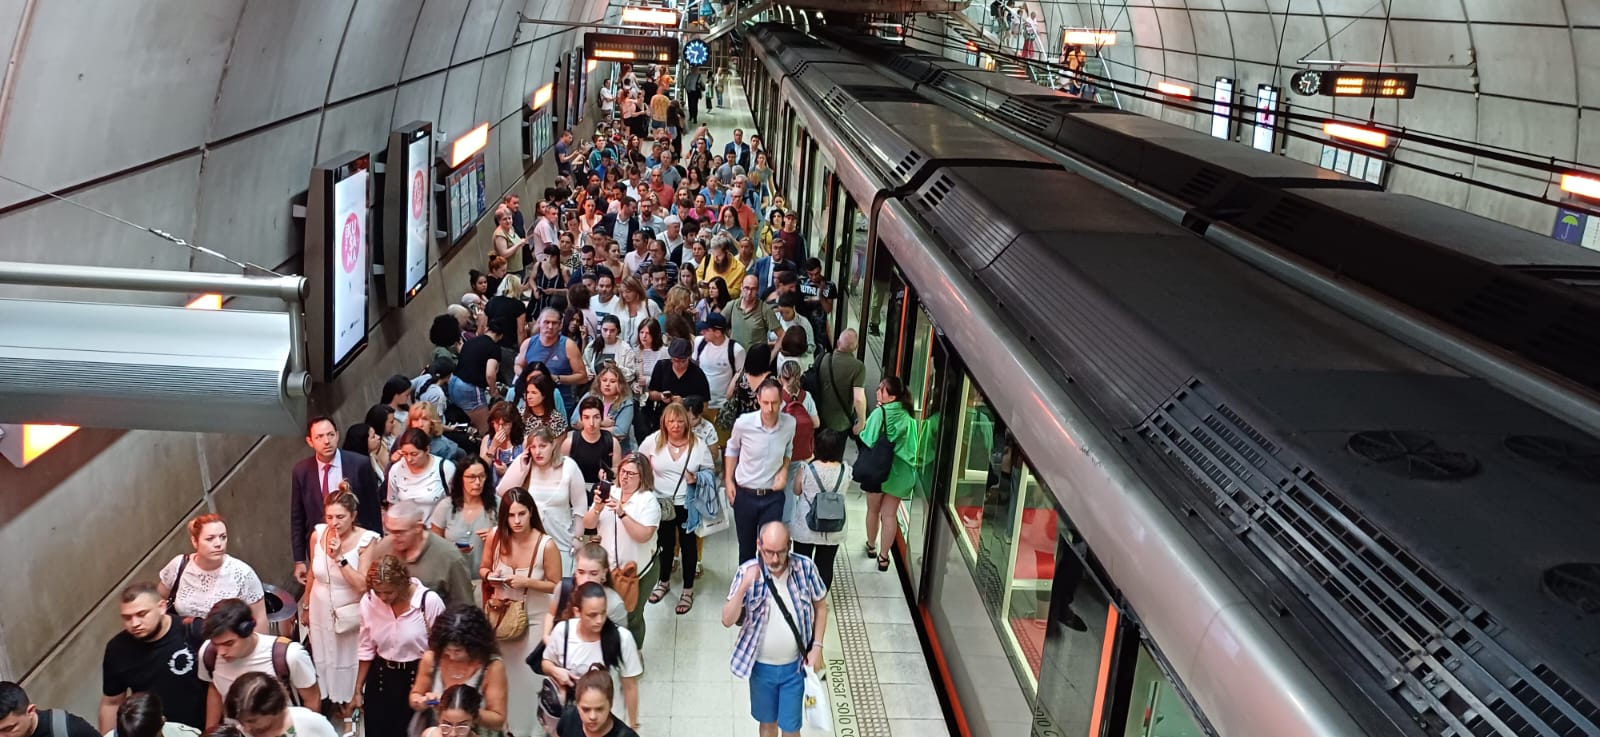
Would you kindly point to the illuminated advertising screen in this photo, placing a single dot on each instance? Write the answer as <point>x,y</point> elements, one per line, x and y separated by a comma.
<point>464,196</point>
<point>338,261</point>
<point>541,137</point>
<point>1222,109</point>
<point>1266,118</point>
<point>418,191</point>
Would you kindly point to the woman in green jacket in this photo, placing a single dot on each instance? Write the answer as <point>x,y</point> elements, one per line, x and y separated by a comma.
<point>893,418</point>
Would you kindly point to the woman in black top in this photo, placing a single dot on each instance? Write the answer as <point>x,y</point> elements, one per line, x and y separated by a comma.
<point>473,387</point>
<point>596,451</point>
<point>592,717</point>
<point>548,280</point>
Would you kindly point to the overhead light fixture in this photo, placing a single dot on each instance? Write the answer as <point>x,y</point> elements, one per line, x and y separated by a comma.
<point>1174,90</point>
<point>206,302</point>
<point>23,444</point>
<point>972,47</point>
<point>467,145</point>
<point>1082,37</point>
<point>612,54</point>
<point>1581,185</point>
<point>640,16</point>
<point>1356,134</point>
<point>543,95</point>
<point>591,66</point>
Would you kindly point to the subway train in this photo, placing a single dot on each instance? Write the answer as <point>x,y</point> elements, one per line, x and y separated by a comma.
<point>1162,492</point>
<point>1496,287</point>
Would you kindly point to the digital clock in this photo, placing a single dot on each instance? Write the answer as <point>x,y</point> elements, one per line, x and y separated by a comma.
<point>1369,84</point>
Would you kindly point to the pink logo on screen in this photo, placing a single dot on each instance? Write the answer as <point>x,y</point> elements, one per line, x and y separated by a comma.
<point>350,243</point>
<point>418,192</point>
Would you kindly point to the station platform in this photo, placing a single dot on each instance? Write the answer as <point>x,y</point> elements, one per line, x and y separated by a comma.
<point>878,676</point>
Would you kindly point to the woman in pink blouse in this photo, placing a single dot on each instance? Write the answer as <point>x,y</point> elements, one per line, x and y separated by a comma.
<point>396,614</point>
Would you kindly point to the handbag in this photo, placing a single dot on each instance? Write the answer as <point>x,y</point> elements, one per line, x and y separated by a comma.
<point>347,618</point>
<point>732,408</point>
<point>510,616</point>
<point>827,507</point>
<point>190,625</point>
<point>875,461</point>
<point>669,511</point>
<point>552,702</point>
<point>816,703</point>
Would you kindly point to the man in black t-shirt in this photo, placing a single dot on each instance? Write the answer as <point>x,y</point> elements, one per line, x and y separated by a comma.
<point>20,718</point>
<point>150,655</point>
<point>679,377</point>
<point>816,294</point>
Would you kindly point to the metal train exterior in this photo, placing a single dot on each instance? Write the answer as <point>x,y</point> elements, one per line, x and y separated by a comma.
<point>1218,474</point>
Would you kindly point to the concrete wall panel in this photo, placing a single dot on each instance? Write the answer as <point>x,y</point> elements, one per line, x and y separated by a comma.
<point>1527,62</point>
<point>374,49</point>
<point>419,100</point>
<point>506,27</point>
<point>281,62</point>
<point>1434,43</point>
<point>491,89</point>
<point>247,188</point>
<point>458,113</point>
<point>1176,32</point>
<point>476,26</point>
<point>357,125</point>
<point>110,86</point>
<point>1520,11</point>
<point>1211,36</point>
<point>1542,130</point>
<point>518,84</point>
<point>435,40</point>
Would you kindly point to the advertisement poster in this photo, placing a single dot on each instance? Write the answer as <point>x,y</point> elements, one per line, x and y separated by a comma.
<point>418,197</point>
<point>350,267</point>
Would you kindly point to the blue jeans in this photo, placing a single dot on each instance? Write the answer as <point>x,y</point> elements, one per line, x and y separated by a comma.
<point>778,692</point>
<point>466,397</point>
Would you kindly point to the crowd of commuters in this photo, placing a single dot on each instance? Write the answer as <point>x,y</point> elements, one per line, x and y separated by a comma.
<point>651,364</point>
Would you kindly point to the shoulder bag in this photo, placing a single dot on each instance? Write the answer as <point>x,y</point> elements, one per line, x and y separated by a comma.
<point>510,616</point>
<point>191,625</point>
<point>347,618</point>
<point>669,511</point>
<point>875,461</point>
<point>827,509</point>
<point>625,577</point>
<point>552,701</point>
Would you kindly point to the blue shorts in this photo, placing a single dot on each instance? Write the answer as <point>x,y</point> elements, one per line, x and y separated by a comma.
<point>778,694</point>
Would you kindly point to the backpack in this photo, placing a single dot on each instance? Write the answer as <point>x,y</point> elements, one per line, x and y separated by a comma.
<point>811,380</point>
<point>827,509</point>
<point>804,429</point>
<point>701,348</point>
<point>280,666</point>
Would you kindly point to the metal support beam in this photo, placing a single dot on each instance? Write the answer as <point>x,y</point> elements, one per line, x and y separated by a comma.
<point>290,289</point>
<point>597,25</point>
<point>1381,64</point>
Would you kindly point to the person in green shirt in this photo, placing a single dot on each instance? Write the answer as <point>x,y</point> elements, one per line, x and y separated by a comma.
<point>893,418</point>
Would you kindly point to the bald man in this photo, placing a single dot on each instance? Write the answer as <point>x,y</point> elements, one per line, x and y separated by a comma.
<point>774,646</point>
<point>428,557</point>
<point>842,395</point>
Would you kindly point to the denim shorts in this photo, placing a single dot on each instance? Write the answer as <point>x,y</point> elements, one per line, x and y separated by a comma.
<point>466,397</point>
<point>778,694</point>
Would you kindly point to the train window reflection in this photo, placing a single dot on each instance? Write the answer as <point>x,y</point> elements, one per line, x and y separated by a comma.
<point>1157,710</point>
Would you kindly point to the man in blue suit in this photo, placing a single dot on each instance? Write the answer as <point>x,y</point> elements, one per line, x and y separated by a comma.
<point>315,478</point>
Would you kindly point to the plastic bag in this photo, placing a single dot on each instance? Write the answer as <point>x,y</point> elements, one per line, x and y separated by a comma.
<point>816,703</point>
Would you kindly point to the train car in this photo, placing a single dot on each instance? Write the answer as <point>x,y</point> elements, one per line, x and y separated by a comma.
<point>1162,493</point>
<point>1450,271</point>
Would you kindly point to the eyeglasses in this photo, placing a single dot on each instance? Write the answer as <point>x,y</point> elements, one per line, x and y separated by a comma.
<point>627,472</point>
<point>475,476</point>
<point>455,729</point>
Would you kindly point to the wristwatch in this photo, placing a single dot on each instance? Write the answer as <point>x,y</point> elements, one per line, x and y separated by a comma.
<point>344,563</point>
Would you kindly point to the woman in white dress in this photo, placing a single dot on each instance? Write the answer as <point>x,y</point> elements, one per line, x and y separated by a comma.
<point>556,484</point>
<point>194,583</point>
<point>521,563</point>
<point>338,580</point>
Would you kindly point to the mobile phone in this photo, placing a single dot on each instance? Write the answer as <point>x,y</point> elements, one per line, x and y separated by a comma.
<point>602,490</point>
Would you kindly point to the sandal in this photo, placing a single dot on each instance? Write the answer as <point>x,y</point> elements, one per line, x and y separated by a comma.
<point>686,602</point>
<point>660,591</point>
<point>883,564</point>
<point>872,552</point>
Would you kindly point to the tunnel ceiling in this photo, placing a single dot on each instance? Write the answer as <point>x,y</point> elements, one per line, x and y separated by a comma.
<point>1536,77</point>
<point>204,118</point>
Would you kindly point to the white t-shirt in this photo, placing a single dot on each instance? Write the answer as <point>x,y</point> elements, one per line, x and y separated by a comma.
<point>202,589</point>
<point>777,640</point>
<point>582,655</point>
<point>426,486</point>
<point>308,723</point>
<point>302,673</point>
<point>668,470</point>
<point>643,509</point>
<point>713,360</point>
<point>607,308</point>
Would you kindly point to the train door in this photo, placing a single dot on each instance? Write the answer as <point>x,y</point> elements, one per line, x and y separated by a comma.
<point>819,206</point>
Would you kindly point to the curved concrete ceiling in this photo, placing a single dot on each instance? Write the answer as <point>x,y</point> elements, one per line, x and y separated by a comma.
<point>1537,73</point>
<point>203,119</point>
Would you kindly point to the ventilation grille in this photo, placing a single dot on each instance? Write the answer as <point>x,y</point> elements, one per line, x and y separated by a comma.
<point>1025,114</point>
<point>1499,301</point>
<point>907,164</point>
<point>1285,218</point>
<point>836,100</point>
<point>1411,455</point>
<point>962,219</point>
<point>1201,185</point>
<point>1573,461</point>
<point>1436,649</point>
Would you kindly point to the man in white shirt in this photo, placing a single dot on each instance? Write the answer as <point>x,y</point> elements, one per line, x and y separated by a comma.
<point>234,648</point>
<point>606,300</point>
<point>544,232</point>
<point>719,357</point>
<point>757,470</point>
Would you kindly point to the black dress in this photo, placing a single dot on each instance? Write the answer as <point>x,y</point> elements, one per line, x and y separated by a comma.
<point>591,457</point>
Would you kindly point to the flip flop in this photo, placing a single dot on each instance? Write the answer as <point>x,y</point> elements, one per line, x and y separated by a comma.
<point>686,602</point>
<point>660,591</point>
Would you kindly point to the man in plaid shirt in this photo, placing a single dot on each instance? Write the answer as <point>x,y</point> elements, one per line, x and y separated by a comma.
<point>772,648</point>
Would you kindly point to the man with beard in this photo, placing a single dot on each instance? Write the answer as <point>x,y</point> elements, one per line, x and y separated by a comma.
<point>150,655</point>
<point>722,263</point>
<point>774,646</point>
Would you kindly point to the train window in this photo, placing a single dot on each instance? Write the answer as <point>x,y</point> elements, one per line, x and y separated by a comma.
<point>924,371</point>
<point>1027,559</point>
<point>1157,709</point>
